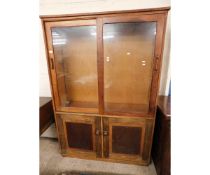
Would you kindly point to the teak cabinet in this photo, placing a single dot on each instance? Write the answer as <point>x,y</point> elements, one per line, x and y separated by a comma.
<point>104,71</point>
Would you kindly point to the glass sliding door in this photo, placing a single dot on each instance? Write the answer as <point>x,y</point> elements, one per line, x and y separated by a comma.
<point>128,63</point>
<point>75,61</point>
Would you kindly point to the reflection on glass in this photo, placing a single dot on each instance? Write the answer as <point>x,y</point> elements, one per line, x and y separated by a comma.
<point>75,54</point>
<point>128,65</point>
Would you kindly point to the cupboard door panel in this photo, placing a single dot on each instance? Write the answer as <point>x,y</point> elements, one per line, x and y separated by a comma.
<point>80,133</point>
<point>73,53</point>
<point>128,63</point>
<point>125,138</point>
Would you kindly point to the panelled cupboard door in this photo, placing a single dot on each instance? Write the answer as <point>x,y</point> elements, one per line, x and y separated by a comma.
<point>131,60</point>
<point>72,50</point>
<point>79,135</point>
<point>127,139</point>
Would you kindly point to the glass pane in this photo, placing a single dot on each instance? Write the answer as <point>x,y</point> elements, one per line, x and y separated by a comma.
<point>126,140</point>
<point>75,52</point>
<point>79,135</point>
<point>128,58</point>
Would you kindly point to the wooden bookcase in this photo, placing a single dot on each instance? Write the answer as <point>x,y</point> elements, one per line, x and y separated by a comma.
<point>104,71</point>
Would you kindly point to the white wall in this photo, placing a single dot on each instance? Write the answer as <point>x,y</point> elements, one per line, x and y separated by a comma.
<point>49,7</point>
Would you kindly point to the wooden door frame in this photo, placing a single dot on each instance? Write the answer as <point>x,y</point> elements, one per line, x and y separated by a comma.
<point>160,20</point>
<point>127,124</point>
<point>93,121</point>
<point>108,122</point>
<point>155,14</point>
<point>51,57</point>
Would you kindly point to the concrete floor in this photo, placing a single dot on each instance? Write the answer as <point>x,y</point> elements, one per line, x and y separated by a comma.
<point>52,163</point>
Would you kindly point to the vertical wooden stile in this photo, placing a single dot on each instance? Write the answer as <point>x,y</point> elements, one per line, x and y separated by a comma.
<point>100,64</point>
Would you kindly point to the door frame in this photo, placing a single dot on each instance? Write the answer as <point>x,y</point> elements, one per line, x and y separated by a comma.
<point>51,61</point>
<point>95,122</point>
<point>158,14</point>
<point>108,122</point>
<point>160,20</point>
